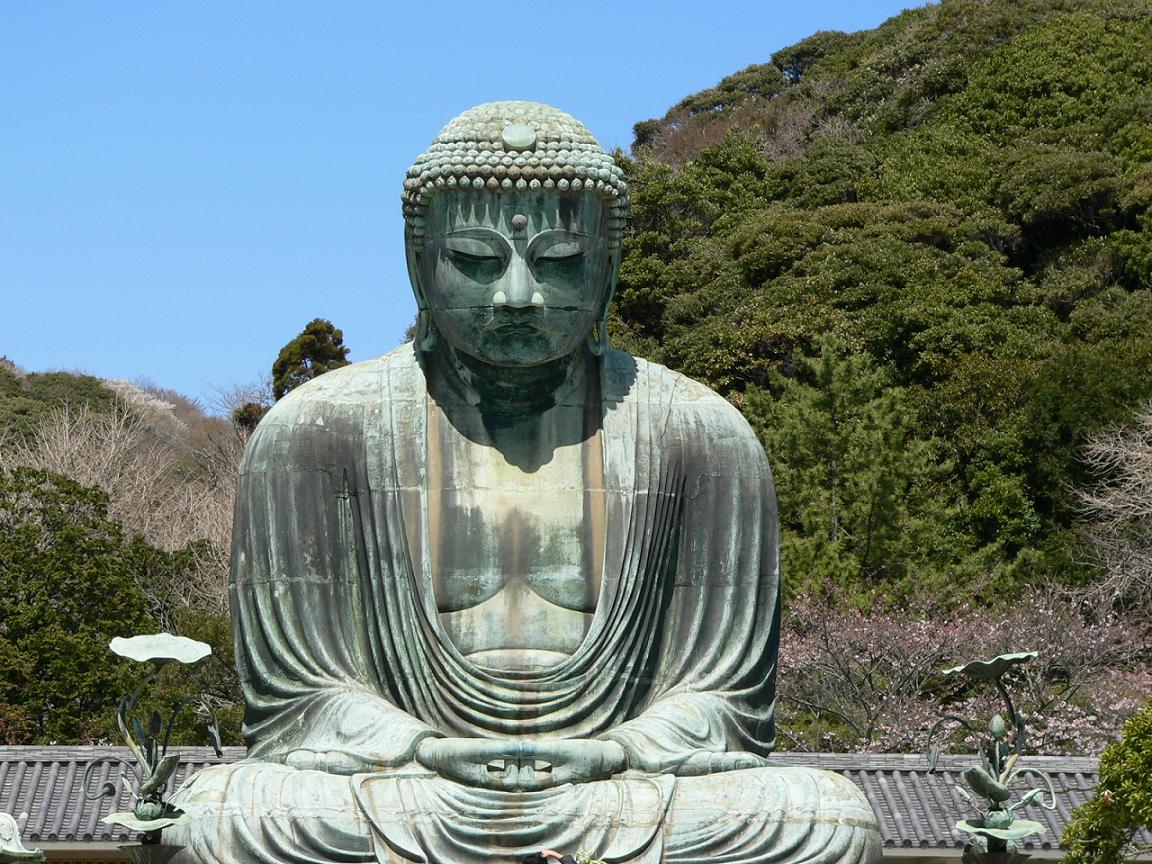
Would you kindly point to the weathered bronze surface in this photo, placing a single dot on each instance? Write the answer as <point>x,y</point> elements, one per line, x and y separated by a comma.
<point>996,829</point>
<point>506,589</point>
<point>12,850</point>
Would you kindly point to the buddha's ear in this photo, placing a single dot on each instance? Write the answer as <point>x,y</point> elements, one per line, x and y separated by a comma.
<point>425,329</point>
<point>413,257</point>
<point>598,338</point>
<point>613,275</point>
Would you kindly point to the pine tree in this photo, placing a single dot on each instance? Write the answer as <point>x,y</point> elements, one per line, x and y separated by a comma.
<point>859,496</point>
<point>67,586</point>
<point>318,349</point>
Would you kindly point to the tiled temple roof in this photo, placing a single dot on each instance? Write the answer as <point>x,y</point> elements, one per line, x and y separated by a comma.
<point>47,784</point>
<point>917,810</point>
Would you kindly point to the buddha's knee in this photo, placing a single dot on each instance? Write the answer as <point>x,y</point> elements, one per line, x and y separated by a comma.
<point>265,812</point>
<point>773,814</point>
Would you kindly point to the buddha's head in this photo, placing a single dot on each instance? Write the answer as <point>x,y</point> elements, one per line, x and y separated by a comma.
<point>513,220</point>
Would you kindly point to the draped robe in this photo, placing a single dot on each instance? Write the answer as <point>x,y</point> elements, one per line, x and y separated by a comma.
<point>341,651</point>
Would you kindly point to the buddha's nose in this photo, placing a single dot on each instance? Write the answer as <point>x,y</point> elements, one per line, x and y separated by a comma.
<point>518,289</point>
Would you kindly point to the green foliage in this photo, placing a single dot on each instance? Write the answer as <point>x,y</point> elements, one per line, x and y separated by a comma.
<point>25,399</point>
<point>249,415</point>
<point>861,499</point>
<point>214,677</point>
<point>794,61</point>
<point>764,80</point>
<point>1084,387</point>
<point>675,210</point>
<point>962,197</point>
<point>1059,74</point>
<point>67,587</point>
<point>830,172</point>
<point>318,349</point>
<point>935,163</point>
<point>1102,831</point>
<point>71,576</point>
<point>1135,250</point>
<point>70,580</point>
<point>69,388</point>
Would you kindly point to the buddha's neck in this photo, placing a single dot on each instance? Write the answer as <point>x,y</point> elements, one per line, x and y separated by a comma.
<point>525,413</point>
<point>513,390</point>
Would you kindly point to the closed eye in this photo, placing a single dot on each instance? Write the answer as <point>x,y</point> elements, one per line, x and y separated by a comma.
<point>472,249</point>
<point>569,251</point>
<point>472,256</point>
<point>479,259</point>
<point>557,248</point>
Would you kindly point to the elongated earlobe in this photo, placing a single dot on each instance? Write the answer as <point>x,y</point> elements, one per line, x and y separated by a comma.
<point>598,337</point>
<point>426,335</point>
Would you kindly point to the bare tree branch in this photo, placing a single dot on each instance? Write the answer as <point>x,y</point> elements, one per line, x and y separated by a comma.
<point>1117,510</point>
<point>159,486</point>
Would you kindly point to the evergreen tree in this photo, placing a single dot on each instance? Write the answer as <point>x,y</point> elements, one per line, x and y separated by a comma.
<point>28,398</point>
<point>318,349</point>
<point>963,196</point>
<point>1103,831</point>
<point>67,586</point>
<point>860,498</point>
<point>249,415</point>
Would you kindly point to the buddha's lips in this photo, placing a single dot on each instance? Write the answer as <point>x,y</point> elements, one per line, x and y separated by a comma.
<point>514,328</point>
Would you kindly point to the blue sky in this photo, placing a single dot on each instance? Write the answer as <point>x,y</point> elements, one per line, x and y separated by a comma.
<point>183,186</point>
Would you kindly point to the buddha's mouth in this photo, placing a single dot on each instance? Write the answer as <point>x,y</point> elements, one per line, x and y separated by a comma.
<point>515,328</point>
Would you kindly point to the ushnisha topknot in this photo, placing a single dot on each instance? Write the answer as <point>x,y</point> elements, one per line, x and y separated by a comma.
<point>514,146</point>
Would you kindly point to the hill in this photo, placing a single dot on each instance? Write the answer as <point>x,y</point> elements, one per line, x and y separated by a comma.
<point>920,258</point>
<point>115,505</point>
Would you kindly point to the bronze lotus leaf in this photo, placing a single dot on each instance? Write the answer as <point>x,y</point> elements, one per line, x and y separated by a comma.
<point>1014,831</point>
<point>160,648</point>
<point>990,670</point>
<point>130,821</point>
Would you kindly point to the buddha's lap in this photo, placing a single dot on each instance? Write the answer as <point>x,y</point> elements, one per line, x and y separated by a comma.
<point>267,804</point>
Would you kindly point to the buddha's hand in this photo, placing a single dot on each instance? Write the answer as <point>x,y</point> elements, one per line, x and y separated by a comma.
<point>328,761</point>
<point>520,765</point>
<point>707,762</point>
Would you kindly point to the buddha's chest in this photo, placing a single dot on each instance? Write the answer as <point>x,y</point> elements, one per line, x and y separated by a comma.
<point>501,528</point>
<point>515,554</point>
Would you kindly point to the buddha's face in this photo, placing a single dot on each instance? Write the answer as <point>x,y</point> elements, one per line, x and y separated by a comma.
<point>515,279</point>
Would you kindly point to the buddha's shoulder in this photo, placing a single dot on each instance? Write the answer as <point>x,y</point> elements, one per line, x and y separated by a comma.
<point>693,413</point>
<point>673,392</point>
<point>343,398</point>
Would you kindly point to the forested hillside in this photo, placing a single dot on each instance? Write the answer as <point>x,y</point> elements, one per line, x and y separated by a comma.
<point>919,259</point>
<point>115,519</point>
